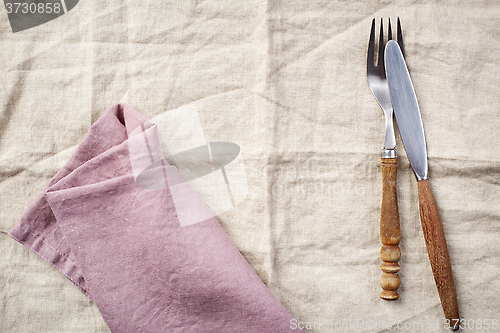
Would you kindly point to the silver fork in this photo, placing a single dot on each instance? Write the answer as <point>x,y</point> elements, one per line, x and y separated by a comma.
<point>378,81</point>
<point>390,233</point>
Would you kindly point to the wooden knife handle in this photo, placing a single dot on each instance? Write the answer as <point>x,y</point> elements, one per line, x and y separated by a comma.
<point>438,251</point>
<point>390,232</point>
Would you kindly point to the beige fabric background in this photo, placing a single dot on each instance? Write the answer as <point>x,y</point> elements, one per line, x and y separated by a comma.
<point>286,81</point>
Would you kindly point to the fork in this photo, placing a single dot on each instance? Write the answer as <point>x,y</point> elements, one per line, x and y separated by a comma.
<point>390,231</point>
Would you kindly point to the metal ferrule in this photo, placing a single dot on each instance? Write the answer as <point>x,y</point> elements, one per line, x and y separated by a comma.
<point>389,153</point>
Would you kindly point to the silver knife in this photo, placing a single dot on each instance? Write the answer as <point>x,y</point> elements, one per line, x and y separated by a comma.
<point>410,126</point>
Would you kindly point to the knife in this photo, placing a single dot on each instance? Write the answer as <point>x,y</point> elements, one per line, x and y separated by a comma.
<point>410,126</point>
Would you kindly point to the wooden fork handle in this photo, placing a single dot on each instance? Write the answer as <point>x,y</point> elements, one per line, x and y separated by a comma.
<point>438,251</point>
<point>390,233</point>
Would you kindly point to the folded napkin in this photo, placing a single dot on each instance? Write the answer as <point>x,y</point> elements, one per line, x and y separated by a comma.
<point>125,228</point>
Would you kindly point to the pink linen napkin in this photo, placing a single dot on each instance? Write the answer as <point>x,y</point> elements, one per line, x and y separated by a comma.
<point>147,254</point>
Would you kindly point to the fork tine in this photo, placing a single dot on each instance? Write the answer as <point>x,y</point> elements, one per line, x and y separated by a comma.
<point>381,45</point>
<point>400,38</point>
<point>371,47</point>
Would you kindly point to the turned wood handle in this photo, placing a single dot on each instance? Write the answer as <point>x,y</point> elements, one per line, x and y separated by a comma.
<point>438,251</point>
<point>390,233</point>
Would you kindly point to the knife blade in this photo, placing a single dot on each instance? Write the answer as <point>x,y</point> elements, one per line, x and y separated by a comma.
<point>411,129</point>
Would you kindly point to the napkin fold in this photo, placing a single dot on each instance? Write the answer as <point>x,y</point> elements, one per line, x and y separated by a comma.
<point>149,256</point>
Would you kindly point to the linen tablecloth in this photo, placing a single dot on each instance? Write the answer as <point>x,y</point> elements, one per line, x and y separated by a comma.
<point>286,83</point>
